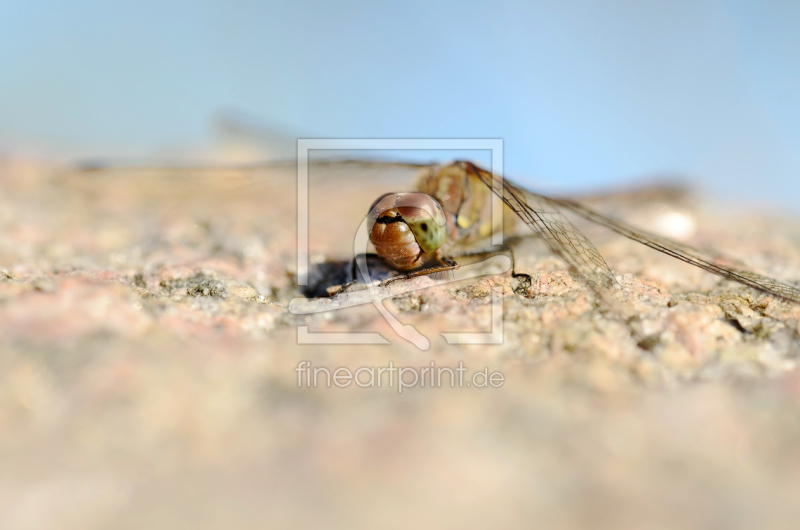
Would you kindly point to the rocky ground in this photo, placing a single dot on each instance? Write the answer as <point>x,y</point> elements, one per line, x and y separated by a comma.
<point>148,375</point>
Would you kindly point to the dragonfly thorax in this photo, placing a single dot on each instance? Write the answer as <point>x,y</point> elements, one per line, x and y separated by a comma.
<point>406,228</point>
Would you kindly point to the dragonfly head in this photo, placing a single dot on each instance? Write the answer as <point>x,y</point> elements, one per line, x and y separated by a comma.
<point>405,226</point>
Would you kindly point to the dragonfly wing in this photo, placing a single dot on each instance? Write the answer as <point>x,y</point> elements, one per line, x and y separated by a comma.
<point>712,263</point>
<point>545,218</point>
<point>327,210</point>
<point>267,170</point>
<point>234,180</point>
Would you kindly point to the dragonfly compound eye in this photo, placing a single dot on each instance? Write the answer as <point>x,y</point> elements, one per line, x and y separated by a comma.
<point>404,226</point>
<point>430,236</point>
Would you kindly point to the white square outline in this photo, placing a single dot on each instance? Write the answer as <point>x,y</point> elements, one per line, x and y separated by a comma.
<point>304,145</point>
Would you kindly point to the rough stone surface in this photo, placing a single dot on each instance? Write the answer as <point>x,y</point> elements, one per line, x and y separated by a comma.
<point>148,370</point>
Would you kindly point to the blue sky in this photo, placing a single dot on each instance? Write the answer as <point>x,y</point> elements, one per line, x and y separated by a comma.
<point>584,93</point>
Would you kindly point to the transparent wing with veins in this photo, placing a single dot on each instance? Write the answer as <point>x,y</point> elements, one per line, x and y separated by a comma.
<point>542,214</point>
<point>704,260</point>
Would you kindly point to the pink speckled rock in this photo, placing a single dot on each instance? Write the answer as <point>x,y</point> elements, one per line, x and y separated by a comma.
<point>149,369</point>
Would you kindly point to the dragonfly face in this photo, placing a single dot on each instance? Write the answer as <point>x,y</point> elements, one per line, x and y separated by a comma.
<point>407,229</point>
<point>452,208</point>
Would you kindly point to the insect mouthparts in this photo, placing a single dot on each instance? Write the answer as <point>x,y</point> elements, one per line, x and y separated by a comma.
<point>386,219</point>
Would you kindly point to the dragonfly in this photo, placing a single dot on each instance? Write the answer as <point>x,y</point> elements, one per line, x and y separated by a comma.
<point>420,232</point>
<point>412,231</point>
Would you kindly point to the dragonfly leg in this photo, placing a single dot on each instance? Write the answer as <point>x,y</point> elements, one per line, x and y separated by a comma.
<point>371,267</point>
<point>439,266</point>
<point>507,250</point>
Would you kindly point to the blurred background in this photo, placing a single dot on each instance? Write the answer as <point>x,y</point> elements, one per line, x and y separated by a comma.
<point>147,358</point>
<point>585,94</point>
